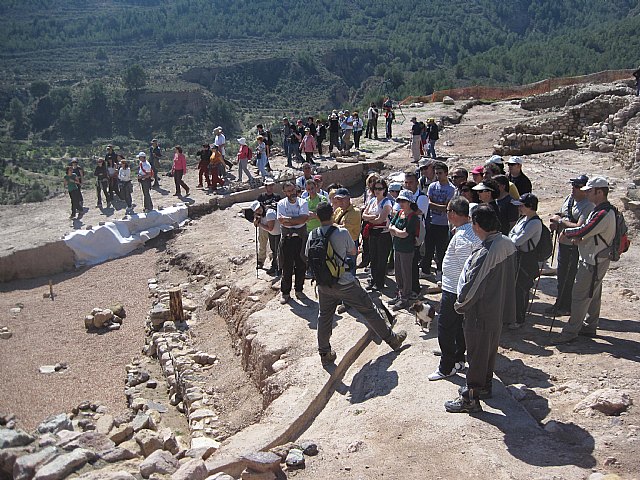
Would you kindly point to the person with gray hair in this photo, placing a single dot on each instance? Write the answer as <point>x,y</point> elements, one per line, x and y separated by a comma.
<point>450,333</point>
<point>486,298</point>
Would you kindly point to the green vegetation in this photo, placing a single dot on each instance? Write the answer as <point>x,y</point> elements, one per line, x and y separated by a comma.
<point>79,74</point>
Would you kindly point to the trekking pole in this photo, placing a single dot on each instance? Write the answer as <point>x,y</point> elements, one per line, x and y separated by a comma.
<point>535,289</point>
<point>257,264</point>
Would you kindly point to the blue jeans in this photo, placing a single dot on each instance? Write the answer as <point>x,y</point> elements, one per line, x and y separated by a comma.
<point>286,146</point>
<point>431,148</point>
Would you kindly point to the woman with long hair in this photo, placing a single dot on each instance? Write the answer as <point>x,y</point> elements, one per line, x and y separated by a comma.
<point>377,213</point>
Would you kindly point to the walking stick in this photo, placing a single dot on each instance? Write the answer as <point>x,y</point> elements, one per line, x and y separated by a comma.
<point>535,289</point>
<point>257,265</point>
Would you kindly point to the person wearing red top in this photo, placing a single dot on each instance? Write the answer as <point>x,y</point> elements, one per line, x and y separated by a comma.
<point>308,145</point>
<point>179,169</point>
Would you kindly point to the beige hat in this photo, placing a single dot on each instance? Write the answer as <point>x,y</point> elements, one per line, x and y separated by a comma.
<point>242,141</point>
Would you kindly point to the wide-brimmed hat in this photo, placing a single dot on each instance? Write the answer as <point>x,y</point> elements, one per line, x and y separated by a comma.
<point>596,182</point>
<point>528,200</point>
<point>483,187</point>
<point>406,195</point>
<point>242,141</point>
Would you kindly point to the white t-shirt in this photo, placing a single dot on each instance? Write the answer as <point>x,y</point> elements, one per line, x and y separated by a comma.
<point>271,215</point>
<point>297,209</point>
<point>220,140</point>
<point>144,169</point>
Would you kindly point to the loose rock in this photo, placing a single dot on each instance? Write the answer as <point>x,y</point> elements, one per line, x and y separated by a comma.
<point>26,466</point>
<point>295,459</point>
<point>609,401</point>
<point>159,462</point>
<point>262,461</point>
<point>14,438</point>
<point>192,470</point>
<point>60,467</point>
<point>149,441</point>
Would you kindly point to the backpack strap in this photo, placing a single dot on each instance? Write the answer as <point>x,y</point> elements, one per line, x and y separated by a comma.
<point>530,241</point>
<point>327,238</point>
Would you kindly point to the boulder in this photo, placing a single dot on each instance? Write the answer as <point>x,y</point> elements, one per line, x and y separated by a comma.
<point>91,440</point>
<point>88,322</point>
<point>60,467</point>
<point>192,470</point>
<point>149,441</point>
<point>160,462</point>
<point>140,422</point>
<point>262,461</point>
<point>104,424</point>
<point>169,441</point>
<point>132,446</point>
<point>14,438</point>
<point>118,310</point>
<point>117,454</point>
<point>609,401</point>
<point>106,474</point>
<point>8,457</point>
<point>26,466</point>
<point>447,100</point>
<point>121,434</point>
<point>295,459</point>
<point>204,442</point>
<point>309,447</point>
<point>101,318</point>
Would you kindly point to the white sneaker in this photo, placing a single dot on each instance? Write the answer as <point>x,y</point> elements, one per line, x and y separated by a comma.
<point>438,375</point>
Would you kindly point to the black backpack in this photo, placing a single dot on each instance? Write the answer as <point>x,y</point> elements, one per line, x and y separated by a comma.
<point>325,264</point>
<point>544,248</point>
<point>268,138</point>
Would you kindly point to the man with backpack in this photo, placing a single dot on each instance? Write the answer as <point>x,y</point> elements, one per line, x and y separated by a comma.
<point>573,213</point>
<point>326,249</point>
<point>601,234</point>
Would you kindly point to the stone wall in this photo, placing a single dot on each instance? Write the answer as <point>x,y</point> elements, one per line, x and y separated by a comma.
<point>574,95</point>
<point>567,128</point>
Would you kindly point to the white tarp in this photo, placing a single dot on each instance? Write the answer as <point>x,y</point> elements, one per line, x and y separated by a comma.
<point>120,237</point>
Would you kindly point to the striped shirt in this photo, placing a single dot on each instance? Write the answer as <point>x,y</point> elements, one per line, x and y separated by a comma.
<point>463,242</point>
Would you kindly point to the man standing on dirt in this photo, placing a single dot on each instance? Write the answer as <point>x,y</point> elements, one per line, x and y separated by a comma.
<point>372,122</point>
<point>573,213</point>
<point>155,153</point>
<point>347,289</point>
<point>270,201</point>
<point>293,213</point>
<point>486,298</point>
<point>416,139</point>
<point>450,332</point>
<point>593,240</point>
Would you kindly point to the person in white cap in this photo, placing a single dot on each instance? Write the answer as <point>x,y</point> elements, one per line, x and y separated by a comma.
<point>404,230</point>
<point>244,155</point>
<point>220,140</point>
<point>519,179</point>
<point>593,239</point>
<point>269,199</point>
<point>145,175</point>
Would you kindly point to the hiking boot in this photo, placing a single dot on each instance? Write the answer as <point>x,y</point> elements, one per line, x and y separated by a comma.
<point>272,270</point>
<point>462,405</point>
<point>285,298</point>
<point>482,393</point>
<point>438,375</point>
<point>300,295</point>
<point>395,342</point>
<point>558,312</point>
<point>328,358</point>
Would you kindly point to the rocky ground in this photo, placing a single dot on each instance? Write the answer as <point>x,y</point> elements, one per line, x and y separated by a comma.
<point>385,420</point>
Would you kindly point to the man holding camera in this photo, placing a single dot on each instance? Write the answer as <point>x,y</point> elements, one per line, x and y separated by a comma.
<point>573,213</point>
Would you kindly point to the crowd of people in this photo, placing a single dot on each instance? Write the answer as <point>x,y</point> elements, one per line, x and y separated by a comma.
<point>477,242</point>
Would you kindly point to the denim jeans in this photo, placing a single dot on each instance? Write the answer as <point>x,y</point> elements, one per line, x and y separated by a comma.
<point>431,148</point>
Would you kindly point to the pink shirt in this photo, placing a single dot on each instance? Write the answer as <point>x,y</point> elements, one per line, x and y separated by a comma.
<point>180,162</point>
<point>308,143</point>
